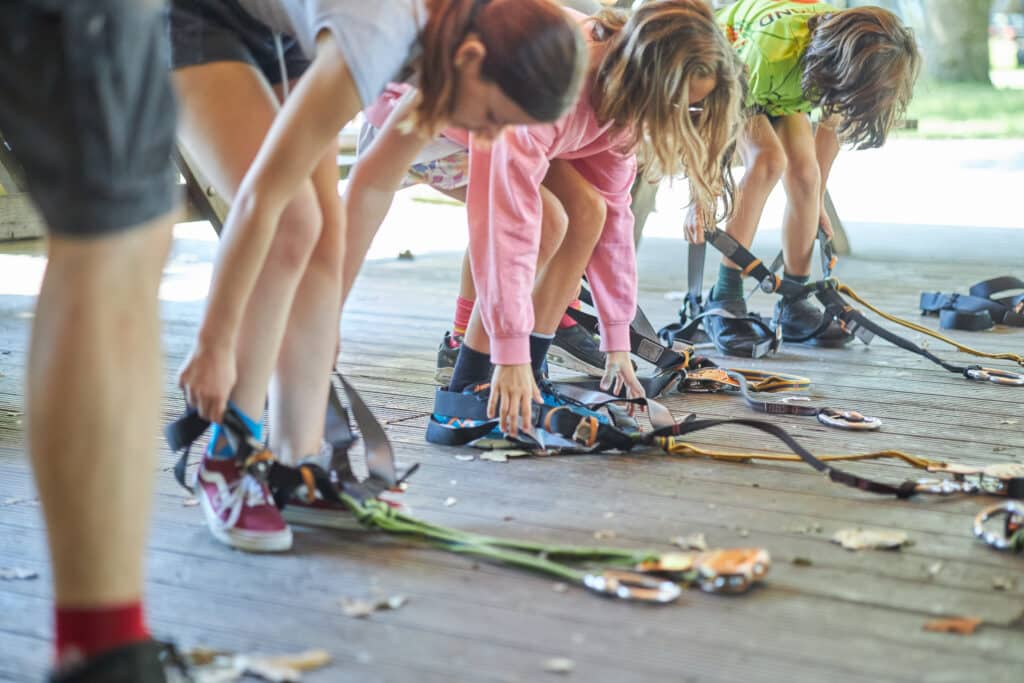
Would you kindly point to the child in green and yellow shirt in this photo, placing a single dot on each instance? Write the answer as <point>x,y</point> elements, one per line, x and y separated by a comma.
<point>858,66</point>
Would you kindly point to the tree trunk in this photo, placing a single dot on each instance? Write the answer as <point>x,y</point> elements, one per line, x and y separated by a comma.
<point>954,39</point>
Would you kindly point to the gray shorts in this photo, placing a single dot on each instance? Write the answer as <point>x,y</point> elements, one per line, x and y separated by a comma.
<point>204,31</point>
<point>87,108</point>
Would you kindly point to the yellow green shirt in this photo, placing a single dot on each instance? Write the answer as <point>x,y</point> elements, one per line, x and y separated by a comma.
<point>771,37</point>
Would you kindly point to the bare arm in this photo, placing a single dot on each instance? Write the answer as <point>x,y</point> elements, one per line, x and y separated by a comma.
<point>324,101</point>
<point>375,179</point>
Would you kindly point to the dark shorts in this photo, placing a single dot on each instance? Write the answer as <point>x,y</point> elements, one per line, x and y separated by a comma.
<point>204,31</point>
<point>87,109</point>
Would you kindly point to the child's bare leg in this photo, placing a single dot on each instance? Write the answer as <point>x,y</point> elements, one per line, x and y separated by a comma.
<point>800,318</point>
<point>559,278</point>
<point>553,228</point>
<point>731,330</point>
<point>764,161</point>
<point>802,180</point>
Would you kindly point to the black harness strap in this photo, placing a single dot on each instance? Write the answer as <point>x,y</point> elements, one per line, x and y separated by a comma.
<point>283,480</point>
<point>980,309</point>
<point>905,490</point>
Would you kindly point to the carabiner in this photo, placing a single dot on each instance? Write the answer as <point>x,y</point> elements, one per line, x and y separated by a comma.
<point>1003,377</point>
<point>628,585</point>
<point>847,419</point>
<point>1012,527</point>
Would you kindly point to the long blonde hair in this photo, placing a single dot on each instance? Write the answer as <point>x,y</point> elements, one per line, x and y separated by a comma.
<point>643,85</point>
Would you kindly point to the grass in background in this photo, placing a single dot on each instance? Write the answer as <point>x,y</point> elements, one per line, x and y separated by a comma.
<point>966,110</point>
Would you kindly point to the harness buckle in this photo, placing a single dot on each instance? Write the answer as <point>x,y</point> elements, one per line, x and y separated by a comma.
<point>627,585</point>
<point>1011,534</point>
<point>848,419</point>
<point>1003,377</point>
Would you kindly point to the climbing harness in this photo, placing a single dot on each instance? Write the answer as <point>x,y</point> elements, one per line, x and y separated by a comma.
<point>567,425</point>
<point>829,291</point>
<point>979,310</point>
<point>679,369</point>
<point>1010,517</point>
<point>642,576</point>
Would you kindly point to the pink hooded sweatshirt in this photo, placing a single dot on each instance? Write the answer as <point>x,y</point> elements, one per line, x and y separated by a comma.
<point>504,208</point>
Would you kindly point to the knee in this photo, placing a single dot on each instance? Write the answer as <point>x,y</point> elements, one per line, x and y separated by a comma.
<point>803,178</point>
<point>554,224</point>
<point>588,216</point>
<point>767,164</point>
<point>298,232</point>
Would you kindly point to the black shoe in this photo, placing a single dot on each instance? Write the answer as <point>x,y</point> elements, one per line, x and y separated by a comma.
<point>734,331</point>
<point>802,322</point>
<point>145,662</point>
<point>576,349</point>
<point>447,354</point>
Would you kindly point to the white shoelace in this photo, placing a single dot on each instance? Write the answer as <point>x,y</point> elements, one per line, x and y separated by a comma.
<point>247,491</point>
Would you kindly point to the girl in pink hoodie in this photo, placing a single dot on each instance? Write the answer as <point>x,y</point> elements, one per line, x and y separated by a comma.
<point>665,83</point>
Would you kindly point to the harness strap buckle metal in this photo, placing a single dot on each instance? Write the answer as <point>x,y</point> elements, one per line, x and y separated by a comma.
<point>848,419</point>
<point>627,585</point>
<point>1003,377</point>
<point>1011,533</point>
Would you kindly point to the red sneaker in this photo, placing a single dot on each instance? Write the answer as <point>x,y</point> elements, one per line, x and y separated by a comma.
<point>239,509</point>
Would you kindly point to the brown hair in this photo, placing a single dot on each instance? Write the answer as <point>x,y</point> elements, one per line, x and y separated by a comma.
<point>535,54</point>
<point>644,85</point>
<point>861,64</point>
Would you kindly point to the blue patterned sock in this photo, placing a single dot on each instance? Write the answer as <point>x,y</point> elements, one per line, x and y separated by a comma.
<point>219,446</point>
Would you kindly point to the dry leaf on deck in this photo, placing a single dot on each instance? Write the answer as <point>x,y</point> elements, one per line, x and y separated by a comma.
<point>450,501</point>
<point>604,534</point>
<point>17,574</point>
<point>559,665</point>
<point>871,539</point>
<point>360,608</point>
<point>963,626</point>
<point>691,542</point>
<point>465,458</point>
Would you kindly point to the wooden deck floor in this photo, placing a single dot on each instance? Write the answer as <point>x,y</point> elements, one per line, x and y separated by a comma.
<point>846,617</point>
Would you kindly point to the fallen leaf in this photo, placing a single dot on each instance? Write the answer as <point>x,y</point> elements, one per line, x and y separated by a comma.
<point>560,587</point>
<point>604,534</point>
<point>21,501</point>
<point>1003,583</point>
<point>1008,422</point>
<point>359,608</point>
<point>218,666</point>
<point>802,561</point>
<point>450,501</point>
<point>963,626</point>
<point>692,542</point>
<point>934,569</point>
<point>17,574</point>
<point>285,668</point>
<point>559,665</point>
<point>189,502</point>
<point>494,456</point>
<point>465,458</point>
<point>871,539</point>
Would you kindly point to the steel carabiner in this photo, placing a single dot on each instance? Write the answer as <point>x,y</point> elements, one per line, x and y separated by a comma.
<point>1003,377</point>
<point>1011,536</point>
<point>627,585</point>
<point>848,419</point>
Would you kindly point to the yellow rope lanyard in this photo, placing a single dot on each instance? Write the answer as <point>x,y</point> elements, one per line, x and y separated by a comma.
<point>843,289</point>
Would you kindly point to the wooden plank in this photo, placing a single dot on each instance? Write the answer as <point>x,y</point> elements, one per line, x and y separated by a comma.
<point>846,617</point>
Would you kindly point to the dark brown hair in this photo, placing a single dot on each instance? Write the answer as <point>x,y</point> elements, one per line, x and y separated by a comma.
<point>535,54</point>
<point>861,64</point>
<point>644,86</point>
